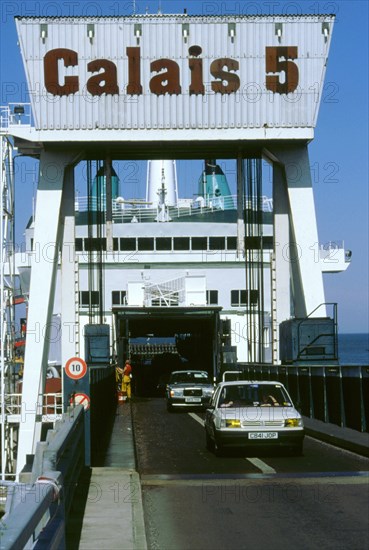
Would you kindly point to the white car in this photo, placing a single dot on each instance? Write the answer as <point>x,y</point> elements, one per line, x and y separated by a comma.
<point>253,414</point>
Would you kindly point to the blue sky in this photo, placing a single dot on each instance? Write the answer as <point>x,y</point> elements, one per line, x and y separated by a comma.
<point>338,154</point>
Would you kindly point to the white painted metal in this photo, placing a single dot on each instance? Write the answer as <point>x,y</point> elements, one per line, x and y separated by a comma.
<point>251,107</point>
<point>69,293</point>
<point>166,293</point>
<point>3,298</point>
<point>47,237</point>
<point>195,290</point>
<point>6,292</point>
<point>296,237</point>
<point>273,301</point>
<point>167,136</point>
<point>159,171</point>
<point>135,293</point>
<point>281,246</point>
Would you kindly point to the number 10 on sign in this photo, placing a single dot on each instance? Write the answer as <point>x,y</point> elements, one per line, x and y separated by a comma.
<point>75,368</point>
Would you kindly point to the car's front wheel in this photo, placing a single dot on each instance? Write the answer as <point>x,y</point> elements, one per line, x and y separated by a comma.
<point>218,449</point>
<point>209,442</point>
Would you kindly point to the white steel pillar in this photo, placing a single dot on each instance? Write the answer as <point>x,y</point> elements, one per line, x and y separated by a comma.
<point>6,287</point>
<point>300,250</point>
<point>46,240</point>
<point>281,246</point>
<point>69,292</point>
<point>240,209</point>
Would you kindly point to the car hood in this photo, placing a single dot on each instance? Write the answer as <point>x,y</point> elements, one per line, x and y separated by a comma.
<point>262,414</point>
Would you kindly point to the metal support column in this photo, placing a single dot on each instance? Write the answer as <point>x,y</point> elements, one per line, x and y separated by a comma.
<point>47,237</point>
<point>6,289</point>
<point>300,250</point>
<point>240,209</point>
<point>69,307</point>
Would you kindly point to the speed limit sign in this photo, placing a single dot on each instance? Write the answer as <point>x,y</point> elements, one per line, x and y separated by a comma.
<point>75,368</point>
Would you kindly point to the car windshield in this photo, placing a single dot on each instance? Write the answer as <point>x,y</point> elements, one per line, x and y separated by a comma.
<point>254,395</point>
<point>185,377</point>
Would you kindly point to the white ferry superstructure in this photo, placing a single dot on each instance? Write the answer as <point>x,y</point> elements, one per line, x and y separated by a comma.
<point>177,268</point>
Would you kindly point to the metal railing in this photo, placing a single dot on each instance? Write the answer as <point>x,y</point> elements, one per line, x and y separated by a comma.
<point>15,114</point>
<point>336,394</point>
<point>330,251</point>
<point>37,507</point>
<point>142,213</point>
<point>51,407</point>
<point>170,292</point>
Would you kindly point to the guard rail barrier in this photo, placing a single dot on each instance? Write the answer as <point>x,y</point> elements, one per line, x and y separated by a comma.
<point>337,394</point>
<point>37,507</point>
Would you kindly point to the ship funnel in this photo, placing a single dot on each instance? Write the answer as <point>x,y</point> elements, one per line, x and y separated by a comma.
<point>159,173</point>
<point>213,187</point>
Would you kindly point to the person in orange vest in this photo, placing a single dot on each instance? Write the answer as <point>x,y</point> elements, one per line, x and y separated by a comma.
<point>126,384</point>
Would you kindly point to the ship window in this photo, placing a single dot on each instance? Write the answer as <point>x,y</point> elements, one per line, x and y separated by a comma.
<point>145,243</point>
<point>253,243</point>
<point>199,243</point>
<point>95,244</point>
<point>118,298</point>
<point>163,243</point>
<point>253,297</point>
<point>268,242</point>
<point>244,298</point>
<point>216,243</point>
<point>115,244</point>
<point>181,243</point>
<point>231,243</point>
<point>238,298</point>
<point>84,298</point>
<point>212,297</point>
<point>79,245</point>
<point>127,243</point>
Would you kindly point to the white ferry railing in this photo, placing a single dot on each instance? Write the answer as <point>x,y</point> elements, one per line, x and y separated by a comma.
<point>51,405</point>
<point>332,250</point>
<point>184,208</point>
<point>15,114</point>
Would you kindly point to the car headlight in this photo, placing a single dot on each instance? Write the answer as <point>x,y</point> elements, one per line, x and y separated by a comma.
<point>208,392</point>
<point>293,422</point>
<point>230,423</point>
<point>175,393</point>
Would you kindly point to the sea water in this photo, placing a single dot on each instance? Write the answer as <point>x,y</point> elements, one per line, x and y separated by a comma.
<point>353,349</point>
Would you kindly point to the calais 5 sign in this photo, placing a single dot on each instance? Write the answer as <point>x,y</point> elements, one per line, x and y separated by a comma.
<point>175,73</point>
<point>281,73</point>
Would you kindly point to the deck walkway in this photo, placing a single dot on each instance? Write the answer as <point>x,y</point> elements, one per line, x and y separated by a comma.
<point>108,512</point>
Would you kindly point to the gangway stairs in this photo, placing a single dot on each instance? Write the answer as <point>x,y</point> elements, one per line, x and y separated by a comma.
<point>168,293</point>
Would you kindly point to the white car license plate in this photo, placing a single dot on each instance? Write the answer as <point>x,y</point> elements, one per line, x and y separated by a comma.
<point>263,435</point>
<point>193,399</point>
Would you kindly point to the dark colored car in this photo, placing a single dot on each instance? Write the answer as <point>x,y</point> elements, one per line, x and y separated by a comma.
<point>189,388</point>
